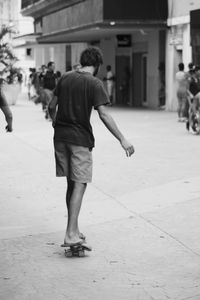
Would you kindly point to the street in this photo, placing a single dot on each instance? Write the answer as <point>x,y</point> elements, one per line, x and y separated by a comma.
<point>141,215</point>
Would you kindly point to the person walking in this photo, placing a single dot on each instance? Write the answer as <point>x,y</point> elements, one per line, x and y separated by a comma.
<point>6,111</point>
<point>40,87</point>
<point>182,91</point>
<point>193,103</point>
<point>49,84</point>
<point>29,83</point>
<point>77,92</point>
<point>109,82</point>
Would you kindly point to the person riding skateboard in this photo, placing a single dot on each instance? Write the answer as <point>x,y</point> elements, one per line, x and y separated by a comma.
<point>76,93</point>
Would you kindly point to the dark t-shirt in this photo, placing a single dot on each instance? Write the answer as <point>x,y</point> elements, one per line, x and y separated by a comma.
<point>49,80</point>
<point>77,94</point>
<point>194,85</point>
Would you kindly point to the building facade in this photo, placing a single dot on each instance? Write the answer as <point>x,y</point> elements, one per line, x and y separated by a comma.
<point>10,15</point>
<point>183,42</point>
<point>131,35</point>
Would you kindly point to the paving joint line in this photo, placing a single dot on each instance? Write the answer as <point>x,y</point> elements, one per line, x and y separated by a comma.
<point>149,222</point>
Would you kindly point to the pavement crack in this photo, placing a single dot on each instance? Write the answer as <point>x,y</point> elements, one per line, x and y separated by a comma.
<point>168,234</point>
<point>191,297</point>
<point>110,196</point>
<point>148,221</point>
<point>29,145</point>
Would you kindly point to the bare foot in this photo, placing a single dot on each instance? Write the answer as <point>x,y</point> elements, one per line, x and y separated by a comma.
<point>72,240</point>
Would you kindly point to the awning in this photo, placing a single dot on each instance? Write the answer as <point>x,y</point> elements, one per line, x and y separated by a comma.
<point>98,31</point>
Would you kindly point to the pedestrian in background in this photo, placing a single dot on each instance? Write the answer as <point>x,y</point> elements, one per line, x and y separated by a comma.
<point>40,87</point>
<point>76,94</point>
<point>191,68</point>
<point>6,109</point>
<point>29,82</point>
<point>182,91</point>
<point>109,82</point>
<point>20,77</point>
<point>49,84</point>
<point>192,87</point>
<point>58,75</point>
<point>36,85</point>
<point>42,74</point>
<point>193,103</point>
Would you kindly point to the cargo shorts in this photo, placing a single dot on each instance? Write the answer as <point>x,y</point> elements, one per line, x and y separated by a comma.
<point>73,162</point>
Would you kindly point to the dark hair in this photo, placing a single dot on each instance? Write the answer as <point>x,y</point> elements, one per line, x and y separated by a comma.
<point>197,68</point>
<point>181,66</point>
<point>58,74</point>
<point>91,56</point>
<point>191,66</point>
<point>50,64</point>
<point>108,68</point>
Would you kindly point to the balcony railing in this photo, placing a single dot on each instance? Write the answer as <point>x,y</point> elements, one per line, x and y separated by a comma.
<point>26,3</point>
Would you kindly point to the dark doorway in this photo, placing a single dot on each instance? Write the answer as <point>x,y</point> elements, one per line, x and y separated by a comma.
<point>144,79</point>
<point>139,79</point>
<point>123,79</point>
<point>68,59</point>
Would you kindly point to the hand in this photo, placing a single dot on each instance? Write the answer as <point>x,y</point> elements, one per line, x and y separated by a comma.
<point>128,147</point>
<point>8,128</point>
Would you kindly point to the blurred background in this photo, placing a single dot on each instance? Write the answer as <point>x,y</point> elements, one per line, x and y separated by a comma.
<point>143,41</point>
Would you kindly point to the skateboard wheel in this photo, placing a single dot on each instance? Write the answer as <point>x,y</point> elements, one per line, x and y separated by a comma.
<point>81,253</point>
<point>68,253</point>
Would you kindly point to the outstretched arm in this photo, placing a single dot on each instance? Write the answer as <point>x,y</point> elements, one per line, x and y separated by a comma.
<point>108,121</point>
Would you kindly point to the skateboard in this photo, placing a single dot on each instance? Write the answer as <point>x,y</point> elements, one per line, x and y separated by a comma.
<point>76,250</point>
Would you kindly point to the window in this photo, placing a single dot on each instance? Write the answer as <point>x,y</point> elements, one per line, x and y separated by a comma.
<point>28,51</point>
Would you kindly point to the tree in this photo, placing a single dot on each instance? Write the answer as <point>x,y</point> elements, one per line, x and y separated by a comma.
<point>7,57</point>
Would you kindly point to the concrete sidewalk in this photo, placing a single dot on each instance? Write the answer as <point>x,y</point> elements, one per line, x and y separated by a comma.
<point>141,215</point>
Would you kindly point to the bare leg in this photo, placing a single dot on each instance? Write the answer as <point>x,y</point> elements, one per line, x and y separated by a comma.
<point>179,109</point>
<point>8,116</point>
<point>74,198</point>
<point>70,187</point>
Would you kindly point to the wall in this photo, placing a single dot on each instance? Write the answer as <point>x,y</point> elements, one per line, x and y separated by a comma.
<point>59,57</point>
<point>8,12</point>
<point>171,99</point>
<point>88,12</point>
<point>179,8</point>
<point>76,49</point>
<point>108,49</point>
<point>152,69</point>
<point>148,41</point>
<point>137,10</point>
<point>179,18</point>
<point>10,15</point>
<point>57,53</point>
<point>51,52</point>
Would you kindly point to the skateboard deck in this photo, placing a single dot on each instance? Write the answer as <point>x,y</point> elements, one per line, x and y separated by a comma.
<point>76,250</point>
